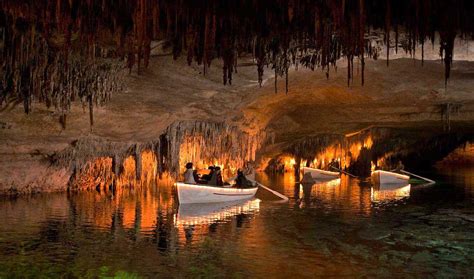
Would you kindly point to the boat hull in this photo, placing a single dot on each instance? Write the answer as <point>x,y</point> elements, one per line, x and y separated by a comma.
<point>192,193</point>
<point>318,174</point>
<point>386,177</point>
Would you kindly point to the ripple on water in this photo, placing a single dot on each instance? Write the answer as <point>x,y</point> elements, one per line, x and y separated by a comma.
<point>325,229</point>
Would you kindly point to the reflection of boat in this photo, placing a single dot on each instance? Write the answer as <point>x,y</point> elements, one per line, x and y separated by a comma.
<point>312,190</point>
<point>196,193</point>
<point>388,177</point>
<point>387,192</point>
<point>196,214</point>
<point>318,174</point>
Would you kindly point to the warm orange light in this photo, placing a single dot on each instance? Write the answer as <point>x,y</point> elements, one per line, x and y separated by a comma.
<point>98,174</point>
<point>191,150</point>
<point>380,194</point>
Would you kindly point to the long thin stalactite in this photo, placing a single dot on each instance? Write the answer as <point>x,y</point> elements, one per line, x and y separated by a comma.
<point>57,51</point>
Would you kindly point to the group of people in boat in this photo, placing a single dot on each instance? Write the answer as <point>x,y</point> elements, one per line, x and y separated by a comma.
<point>213,177</point>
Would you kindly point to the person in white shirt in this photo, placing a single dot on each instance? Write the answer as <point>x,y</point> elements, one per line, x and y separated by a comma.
<point>189,174</point>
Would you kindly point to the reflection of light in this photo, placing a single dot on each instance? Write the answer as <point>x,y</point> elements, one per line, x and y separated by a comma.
<point>386,194</point>
<point>289,163</point>
<point>198,214</point>
<point>334,182</point>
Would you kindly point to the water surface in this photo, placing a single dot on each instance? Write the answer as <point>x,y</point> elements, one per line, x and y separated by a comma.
<point>343,227</point>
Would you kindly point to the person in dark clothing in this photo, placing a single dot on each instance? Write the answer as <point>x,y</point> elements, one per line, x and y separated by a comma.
<point>207,177</point>
<point>196,177</point>
<point>241,180</point>
<point>334,165</point>
<point>218,174</point>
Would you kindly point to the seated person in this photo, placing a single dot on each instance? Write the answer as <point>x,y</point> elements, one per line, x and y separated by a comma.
<point>220,181</point>
<point>207,177</point>
<point>241,180</point>
<point>216,178</point>
<point>196,177</point>
<point>189,174</point>
<point>249,172</point>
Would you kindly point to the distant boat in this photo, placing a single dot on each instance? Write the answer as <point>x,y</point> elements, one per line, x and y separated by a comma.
<point>387,177</point>
<point>318,174</point>
<point>198,193</point>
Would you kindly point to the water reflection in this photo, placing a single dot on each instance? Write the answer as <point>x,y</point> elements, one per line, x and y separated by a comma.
<point>345,196</point>
<point>332,227</point>
<point>199,214</point>
<point>317,191</point>
<point>389,192</point>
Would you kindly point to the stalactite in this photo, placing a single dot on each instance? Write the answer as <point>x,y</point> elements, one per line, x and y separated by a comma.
<point>447,48</point>
<point>276,81</point>
<point>396,38</point>
<point>388,28</point>
<point>423,53</point>
<point>156,148</point>
<point>207,43</point>
<point>91,110</point>
<point>138,161</point>
<point>260,57</point>
<point>210,142</point>
<point>362,39</point>
<point>116,164</point>
<point>52,49</point>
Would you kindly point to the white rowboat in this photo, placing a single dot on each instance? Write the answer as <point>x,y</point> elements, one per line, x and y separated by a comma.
<point>197,193</point>
<point>387,177</point>
<point>318,174</point>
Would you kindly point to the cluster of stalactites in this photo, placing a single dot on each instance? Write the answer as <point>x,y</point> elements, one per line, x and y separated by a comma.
<point>208,141</point>
<point>93,160</point>
<point>314,34</point>
<point>279,34</point>
<point>307,148</point>
<point>45,59</point>
<point>212,142</point>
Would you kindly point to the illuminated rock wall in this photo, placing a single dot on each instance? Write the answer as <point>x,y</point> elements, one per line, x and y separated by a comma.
<point>104,165</point>
<point>208,143</point>
<point>363,151</point>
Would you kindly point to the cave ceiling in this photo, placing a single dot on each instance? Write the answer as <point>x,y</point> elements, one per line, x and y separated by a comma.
<point>58,51</point>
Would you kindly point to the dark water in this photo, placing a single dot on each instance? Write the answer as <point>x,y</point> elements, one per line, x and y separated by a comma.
<point>340,228</point>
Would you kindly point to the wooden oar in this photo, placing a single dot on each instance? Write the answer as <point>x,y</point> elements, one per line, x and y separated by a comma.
<point>281,196</point>
<point>344,172</point>
<point>420,177</point>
